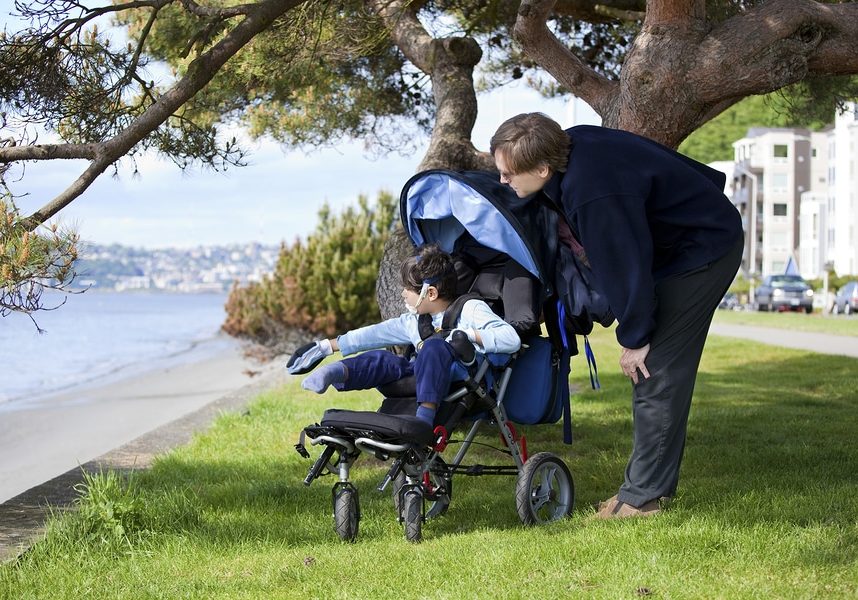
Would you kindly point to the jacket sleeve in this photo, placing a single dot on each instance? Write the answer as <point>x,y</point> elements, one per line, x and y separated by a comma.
<point>616,237</point>
<point>387,333</point>
<point>497,335</point>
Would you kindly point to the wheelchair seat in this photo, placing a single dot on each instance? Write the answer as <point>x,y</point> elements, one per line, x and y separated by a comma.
<point>380,426</point>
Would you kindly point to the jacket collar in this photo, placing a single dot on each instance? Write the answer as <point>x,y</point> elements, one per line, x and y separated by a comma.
<point>552,189</point>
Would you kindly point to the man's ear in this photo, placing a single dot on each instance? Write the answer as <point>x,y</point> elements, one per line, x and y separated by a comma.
<point>543,171</point>
<point>432,293</point>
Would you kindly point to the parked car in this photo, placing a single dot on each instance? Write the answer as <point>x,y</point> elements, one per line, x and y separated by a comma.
<point>730,301</point>
<point>846,299</point>
<point>784,292</point>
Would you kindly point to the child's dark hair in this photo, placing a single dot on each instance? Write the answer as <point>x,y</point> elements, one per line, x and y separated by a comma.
<point>430,265</point>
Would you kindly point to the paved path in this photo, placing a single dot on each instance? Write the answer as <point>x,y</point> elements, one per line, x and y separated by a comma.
<point>801,340</point>
<point>22,518</point>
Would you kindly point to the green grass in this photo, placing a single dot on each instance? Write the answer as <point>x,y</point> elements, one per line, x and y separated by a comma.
<point>814,323</point>
<point>767,506</point>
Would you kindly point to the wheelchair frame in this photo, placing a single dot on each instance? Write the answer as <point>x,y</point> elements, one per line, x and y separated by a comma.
<point>544,490</point>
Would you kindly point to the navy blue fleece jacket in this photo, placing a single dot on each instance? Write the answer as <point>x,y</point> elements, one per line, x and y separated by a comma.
<point>643,213</point>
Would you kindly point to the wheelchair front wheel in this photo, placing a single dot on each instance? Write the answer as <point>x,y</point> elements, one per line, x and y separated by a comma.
<point>442,481</point>
<point>545,491</point>
<point>412,515</point>
<point>346,513</point>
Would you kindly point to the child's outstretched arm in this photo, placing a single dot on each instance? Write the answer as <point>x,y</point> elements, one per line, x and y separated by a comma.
<point>399,330</point>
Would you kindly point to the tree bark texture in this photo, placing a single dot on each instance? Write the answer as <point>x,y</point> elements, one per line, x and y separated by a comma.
<point>682,70</point>
<point>450,63</point>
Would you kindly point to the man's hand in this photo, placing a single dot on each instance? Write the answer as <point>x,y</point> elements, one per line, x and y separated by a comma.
<point>632,361</point>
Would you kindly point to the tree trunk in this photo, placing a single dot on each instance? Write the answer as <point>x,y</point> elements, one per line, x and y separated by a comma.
<point>682,70</point>
<point>450,63</point>
<point>388,289</point>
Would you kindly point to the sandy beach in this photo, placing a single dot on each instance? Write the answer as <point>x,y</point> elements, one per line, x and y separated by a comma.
<point>44,437</point>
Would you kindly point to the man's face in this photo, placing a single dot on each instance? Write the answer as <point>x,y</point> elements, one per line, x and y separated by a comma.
<point>523,184</point>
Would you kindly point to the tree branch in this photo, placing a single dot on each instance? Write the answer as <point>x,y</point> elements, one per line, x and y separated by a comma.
<point>450,63</point>
<point>76,24</point>
<point>223,13</point>
<point>775,44</point>
<point>406,31</point>
<point>619,14</point>
<point>543,47</point>
<point>601,12</point>
<point>660,12</point>
<point>199,73</point>
<point>48,152</point>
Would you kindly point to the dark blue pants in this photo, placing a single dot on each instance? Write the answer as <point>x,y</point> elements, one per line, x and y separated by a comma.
<point>661,404</point>
<point>431,369</point>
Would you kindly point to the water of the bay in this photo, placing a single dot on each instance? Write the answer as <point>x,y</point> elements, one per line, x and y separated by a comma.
<point>98,335</point>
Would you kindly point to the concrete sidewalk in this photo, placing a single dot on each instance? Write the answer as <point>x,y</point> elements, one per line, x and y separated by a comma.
<point>812,342</point>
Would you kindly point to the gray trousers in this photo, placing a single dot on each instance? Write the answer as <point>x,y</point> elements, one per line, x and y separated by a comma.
<point>660,404</point>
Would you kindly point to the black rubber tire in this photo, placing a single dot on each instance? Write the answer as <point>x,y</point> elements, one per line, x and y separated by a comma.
<point>346,514</point>
<point>808,310</point>
<point>545,491</point>
<point>437,507</point>
<point>412,515</point>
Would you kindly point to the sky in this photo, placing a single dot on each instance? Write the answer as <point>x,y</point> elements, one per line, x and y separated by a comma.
<point>275,198</point>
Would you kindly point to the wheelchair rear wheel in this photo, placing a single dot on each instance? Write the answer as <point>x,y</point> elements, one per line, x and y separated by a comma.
<point>545,491</point>
<point>346,513</point>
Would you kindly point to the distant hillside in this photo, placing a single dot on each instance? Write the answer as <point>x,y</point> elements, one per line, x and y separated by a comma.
<point>199,269</point>
<point>714,140</point>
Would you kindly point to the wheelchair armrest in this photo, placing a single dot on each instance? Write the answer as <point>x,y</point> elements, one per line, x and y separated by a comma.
<point>463,348</point>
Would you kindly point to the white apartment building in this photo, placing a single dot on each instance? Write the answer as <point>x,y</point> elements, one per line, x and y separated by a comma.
<point>842,249</point>
<point>796,191</point>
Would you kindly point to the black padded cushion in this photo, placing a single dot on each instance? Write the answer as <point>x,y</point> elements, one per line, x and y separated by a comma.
<point>401,388</point>
<point>398,406</point>
<point>393,428</point>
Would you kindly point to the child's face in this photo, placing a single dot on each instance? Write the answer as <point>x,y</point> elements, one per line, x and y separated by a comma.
<point>420,307</point>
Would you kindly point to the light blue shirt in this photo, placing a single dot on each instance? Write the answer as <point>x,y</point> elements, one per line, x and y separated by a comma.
<point>497,335</point>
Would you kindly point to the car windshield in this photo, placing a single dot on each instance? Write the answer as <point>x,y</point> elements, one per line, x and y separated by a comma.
<point>784,280</point>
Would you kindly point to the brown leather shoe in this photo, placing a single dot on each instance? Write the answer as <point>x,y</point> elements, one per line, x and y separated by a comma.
<point>610,502</point>
<point>615,509</point>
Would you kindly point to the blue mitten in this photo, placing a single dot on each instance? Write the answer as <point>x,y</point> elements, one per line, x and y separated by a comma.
<point>308,356</point>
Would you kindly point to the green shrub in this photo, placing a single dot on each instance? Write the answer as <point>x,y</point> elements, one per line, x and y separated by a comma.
<point>110,514</point>
<point>325,285</point>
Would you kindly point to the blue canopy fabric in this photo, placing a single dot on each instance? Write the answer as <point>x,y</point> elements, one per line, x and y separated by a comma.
<point>437,207</point>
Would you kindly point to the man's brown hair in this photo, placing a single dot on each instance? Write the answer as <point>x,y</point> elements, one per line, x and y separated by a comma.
<point>530,140</point>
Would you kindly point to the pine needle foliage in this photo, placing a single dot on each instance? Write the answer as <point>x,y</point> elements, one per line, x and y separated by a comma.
<point>324,285</point>
<point>32,262</point>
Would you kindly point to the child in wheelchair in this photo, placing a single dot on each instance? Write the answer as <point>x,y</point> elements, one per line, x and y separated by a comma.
<point>429,282</point>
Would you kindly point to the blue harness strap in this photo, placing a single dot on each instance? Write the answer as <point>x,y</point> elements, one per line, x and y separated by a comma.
<point>567,405</point>
<point>591,364</point>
